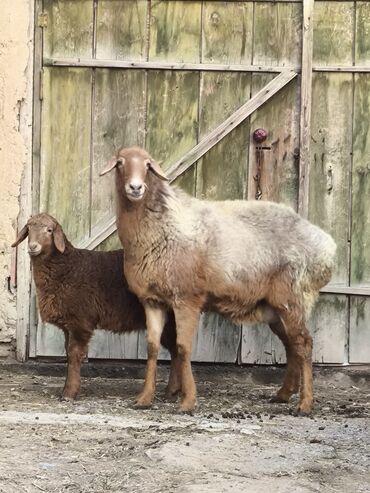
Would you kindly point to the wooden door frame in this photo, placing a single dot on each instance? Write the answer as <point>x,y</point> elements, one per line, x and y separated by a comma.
<point>26,307</point>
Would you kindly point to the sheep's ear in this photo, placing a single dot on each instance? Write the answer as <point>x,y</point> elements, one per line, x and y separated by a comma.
<point>22,235</point>
<point>157,170</point>
<point>112,164</point>
<point>59,239</point>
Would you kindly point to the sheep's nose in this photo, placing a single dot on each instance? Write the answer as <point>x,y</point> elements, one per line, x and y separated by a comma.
<point>136,188</point>
<point>33,246</point>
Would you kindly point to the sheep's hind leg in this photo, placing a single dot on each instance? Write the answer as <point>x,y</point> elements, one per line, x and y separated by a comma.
<point>168,340</point>
<point>300,348</point>
<point>187,319</point>
<point>76,352</point>
<point>292,374</point>
<point>155,320</point>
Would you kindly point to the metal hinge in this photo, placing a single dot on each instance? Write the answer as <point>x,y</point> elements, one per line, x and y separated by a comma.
<point>42,20</point>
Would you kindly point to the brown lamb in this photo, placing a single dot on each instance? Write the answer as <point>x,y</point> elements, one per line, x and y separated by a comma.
<point>81,290</point>
<point>247,260</point>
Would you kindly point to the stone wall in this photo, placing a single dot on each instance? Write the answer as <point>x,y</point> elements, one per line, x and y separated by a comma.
<point>16,61</point>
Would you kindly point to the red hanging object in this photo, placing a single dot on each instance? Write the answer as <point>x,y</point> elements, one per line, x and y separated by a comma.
<point>260,135</point>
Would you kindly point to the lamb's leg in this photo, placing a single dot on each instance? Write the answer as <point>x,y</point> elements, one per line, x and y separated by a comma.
<point>292,374</point>
<point>168,340</point>
<point>300,348</point>
<point>76,352</point>
<point>155,320</point>
<point>187,319</point>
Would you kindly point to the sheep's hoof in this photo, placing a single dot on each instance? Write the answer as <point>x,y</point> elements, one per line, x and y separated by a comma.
<point>280,399</point>
<point>303,410</point>
<point>171,396</point>
<point>142,402</point>
<point>67,398</point>
<point>187,408</point>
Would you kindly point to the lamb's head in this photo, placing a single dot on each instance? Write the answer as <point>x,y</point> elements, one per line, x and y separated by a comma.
<point>45,235</point>
<point>132,165</point>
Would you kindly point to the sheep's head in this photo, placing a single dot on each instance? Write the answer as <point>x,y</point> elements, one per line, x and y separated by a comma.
<point>44,235</point>
<point>132,165</point>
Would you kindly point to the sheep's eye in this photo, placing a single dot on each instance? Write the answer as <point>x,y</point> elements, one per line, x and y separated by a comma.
<point>50,230</point>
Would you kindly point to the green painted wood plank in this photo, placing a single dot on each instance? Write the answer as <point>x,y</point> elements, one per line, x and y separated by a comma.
<point>359,335</point>
<point>277,34</point>
<point>278,165</point>
<point>360,234</point>
<point>331,149</point>
<point>227,32</point>
<point>175,31</point>
<point>65,150</point>
<point>362,48</point>
<point>333,33</point>
<point>119,109</point>
<point>172,114</point>
<point>111,243</point>
<point>121,29</point>
<point>329,328</point>
<point>69,31</point>
<point>223,169</point>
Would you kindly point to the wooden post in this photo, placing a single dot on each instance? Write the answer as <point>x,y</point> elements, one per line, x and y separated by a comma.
<point>306,90</point>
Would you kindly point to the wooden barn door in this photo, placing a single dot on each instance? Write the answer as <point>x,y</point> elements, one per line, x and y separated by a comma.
<point>191,81</point>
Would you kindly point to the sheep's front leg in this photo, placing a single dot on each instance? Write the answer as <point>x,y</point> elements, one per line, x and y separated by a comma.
<point>155,320</point>
<point>187,319</point>
<point>76,352</point>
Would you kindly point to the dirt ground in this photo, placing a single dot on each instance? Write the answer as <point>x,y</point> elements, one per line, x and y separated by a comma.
<point>236,441</point>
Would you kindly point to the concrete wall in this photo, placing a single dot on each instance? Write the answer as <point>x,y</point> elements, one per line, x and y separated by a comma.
<point>16,62</point>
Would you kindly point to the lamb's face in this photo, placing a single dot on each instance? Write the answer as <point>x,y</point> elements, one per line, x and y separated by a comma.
<point>44,235</point>
<point>132,166</point>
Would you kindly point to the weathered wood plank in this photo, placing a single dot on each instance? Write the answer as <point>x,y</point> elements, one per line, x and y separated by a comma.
<point>65,166</point>
<point>119,109</point>
<point>65,152</point>
<point>121,29</point>
<point>360,231</point>
<point>362,47</point>
<point>106,345</point>
<point>49,341</point>
<point>305,107</point>
<point>359,335</point>
<point>227,32</point>
<point>273,172</point>
<point>222,170</point>
<point>174,31</point>
<point>329,328</point>
<point>217,340</point>
<point>277,34</point>
<point>260,346</point>
<point>331,148</point>
<point>160,65</point>
<point>172,114</point>
<point>333,32</point>
<point>69,30</point>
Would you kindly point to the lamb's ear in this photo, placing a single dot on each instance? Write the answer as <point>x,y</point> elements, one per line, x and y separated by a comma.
<point>59,239</point>
<point>112,164</point>
<point>156,169</point>
<point>22,235</point>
